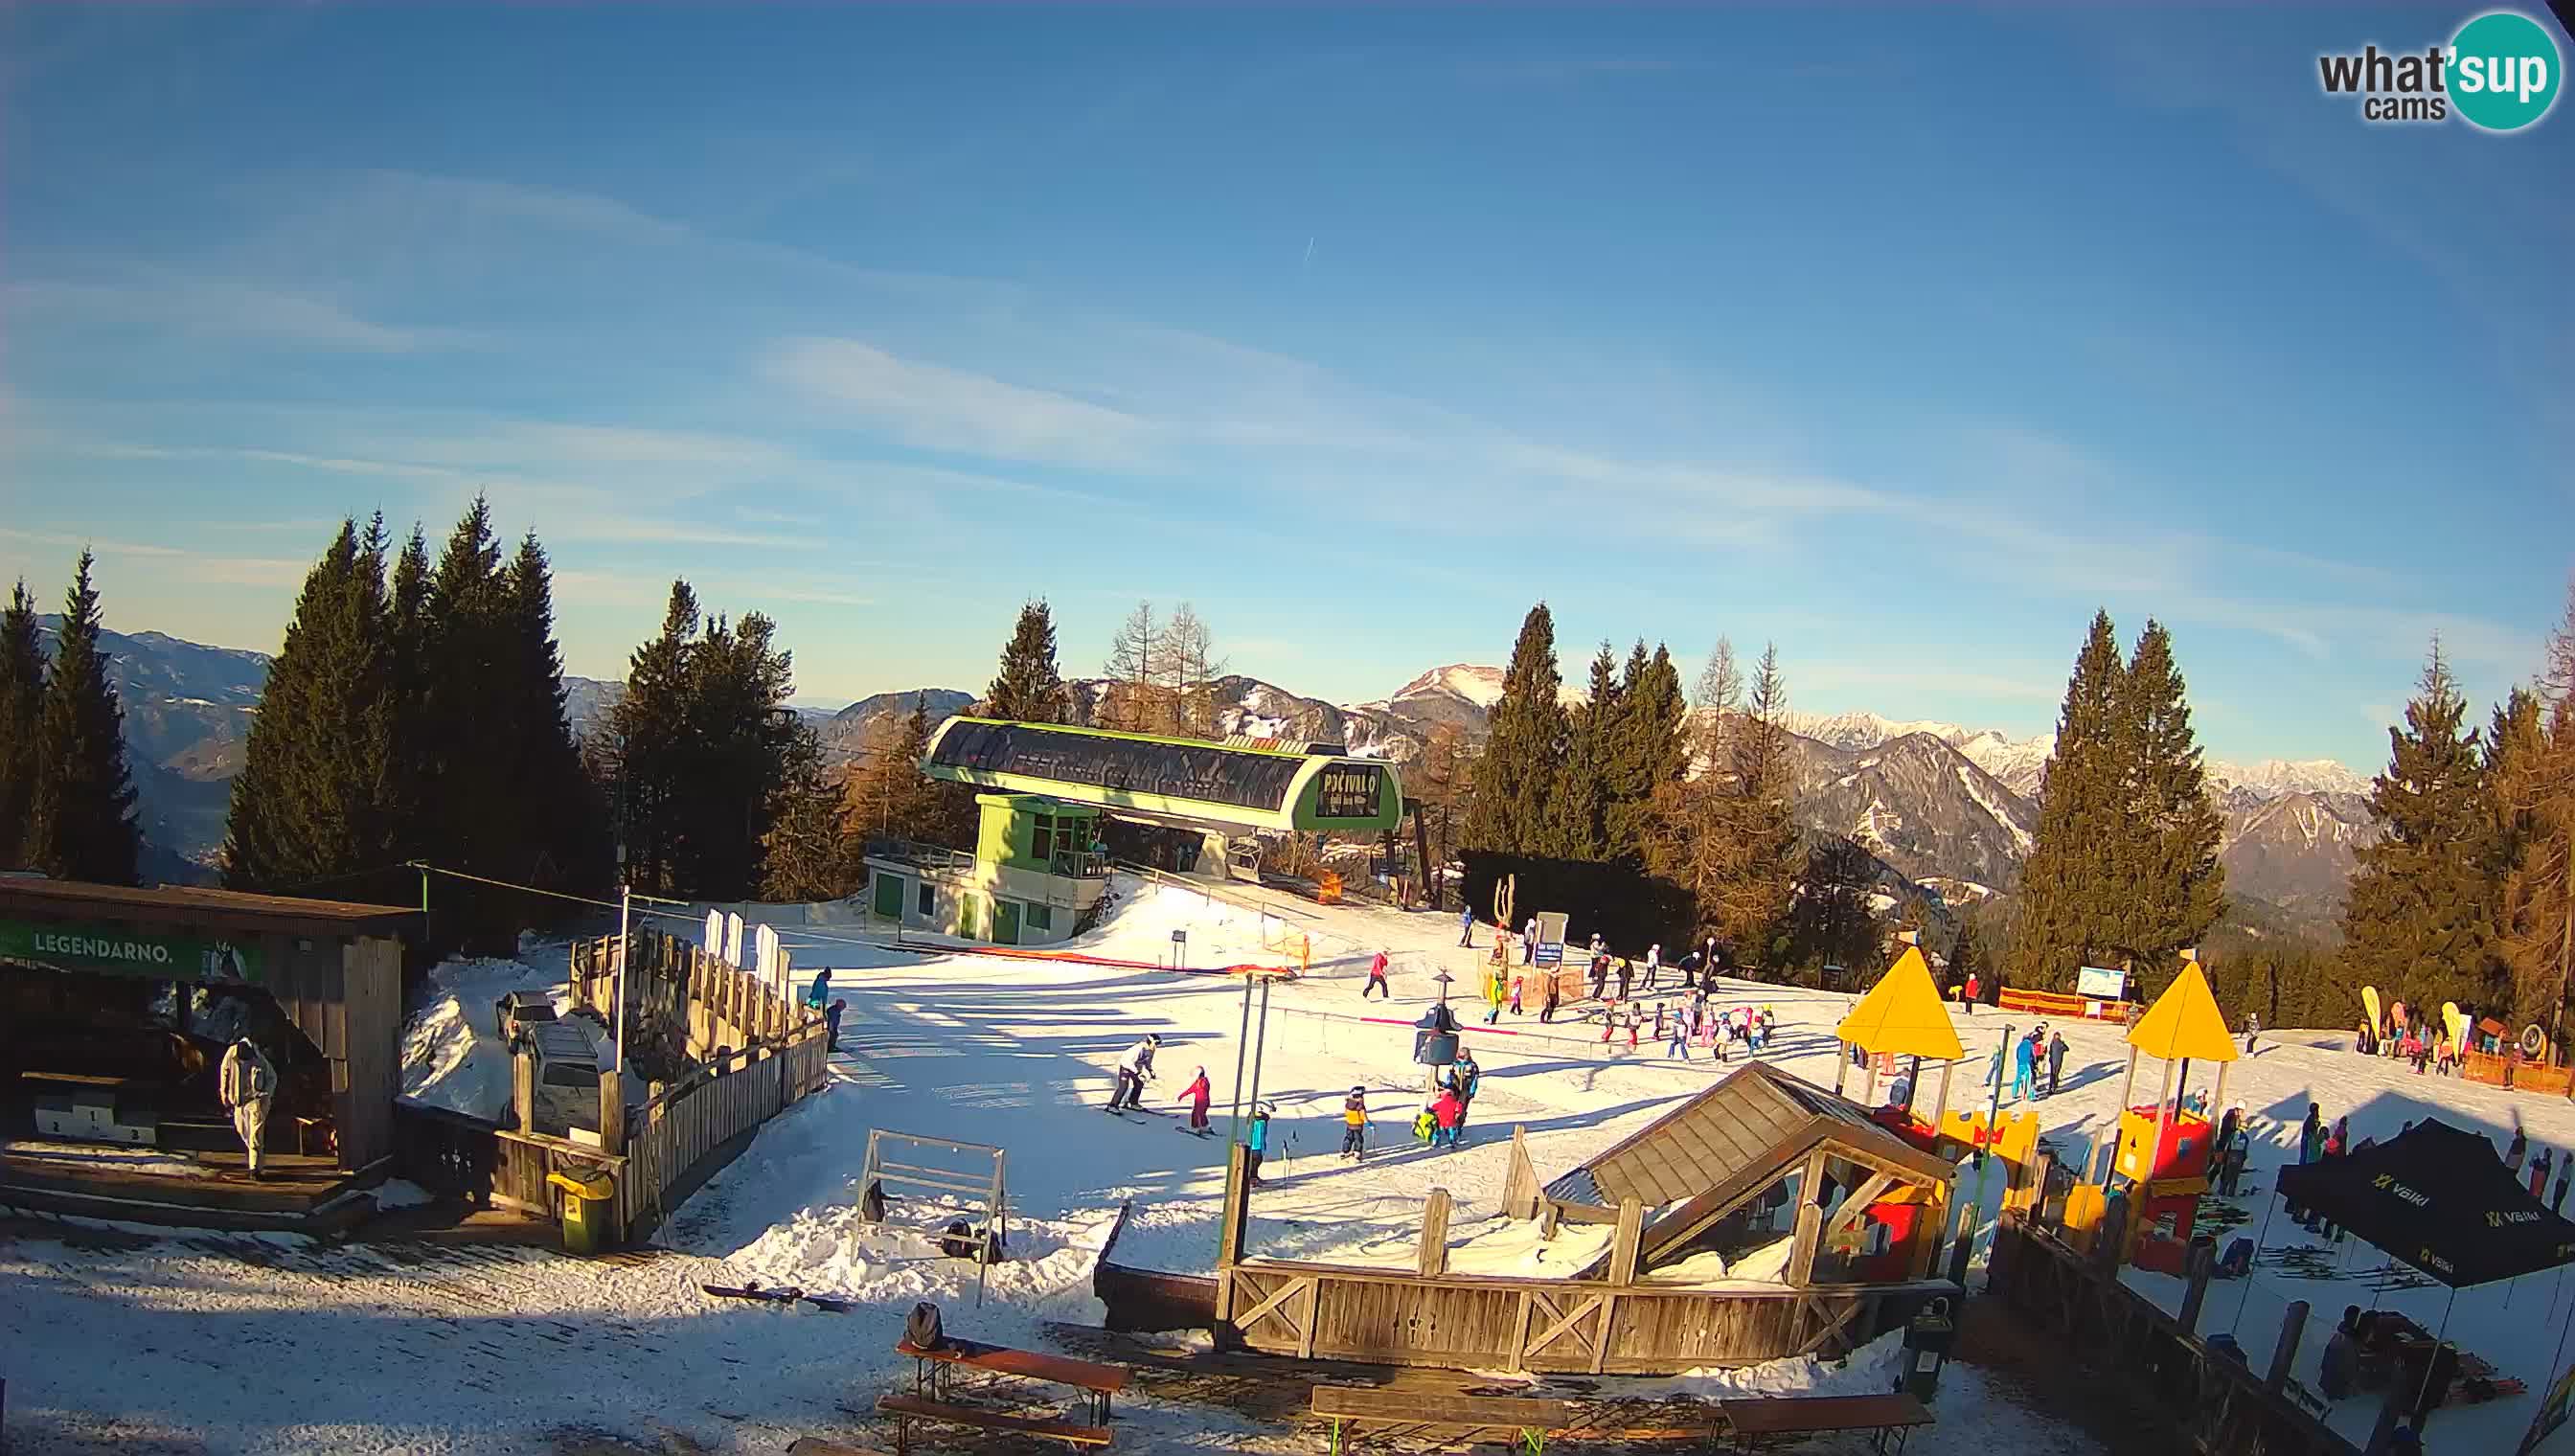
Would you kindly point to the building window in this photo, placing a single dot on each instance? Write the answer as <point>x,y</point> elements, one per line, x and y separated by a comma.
<point>1041,917</point>
<point>1042,839</point>
<point>929,897</point>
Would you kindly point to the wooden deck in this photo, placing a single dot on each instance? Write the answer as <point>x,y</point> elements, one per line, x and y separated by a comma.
<point>301,1194</point>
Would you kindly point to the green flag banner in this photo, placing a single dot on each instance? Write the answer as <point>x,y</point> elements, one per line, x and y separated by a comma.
<point>119,951</point>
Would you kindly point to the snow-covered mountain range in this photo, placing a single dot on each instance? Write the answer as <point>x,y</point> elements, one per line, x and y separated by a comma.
<point>1940,802</point>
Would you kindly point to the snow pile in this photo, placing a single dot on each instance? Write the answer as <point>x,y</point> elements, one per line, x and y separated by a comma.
<point>452,1055</point>
<point>1046,1272</point>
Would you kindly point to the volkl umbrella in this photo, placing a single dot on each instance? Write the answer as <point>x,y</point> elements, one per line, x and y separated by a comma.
<point>2438,1198</point>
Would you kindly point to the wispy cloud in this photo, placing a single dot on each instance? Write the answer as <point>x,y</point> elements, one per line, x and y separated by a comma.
<point>937,408</point>
<point>233,311</point>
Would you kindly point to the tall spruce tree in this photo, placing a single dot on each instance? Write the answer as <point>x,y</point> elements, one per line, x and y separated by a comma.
<point>563,843</point>
<point>22,700</point>
<point>1028,688</point>
<point>317,803</point>
<point>742,732</point>
<point>808,854</point>
<point>1583,785</point>
<point>415,736</point>
<point>81,819</point>
<point>2418,922</point>
<point>2172,889</point>
<point>1525,742</point>
<point>651,751</point>
<point>1757,822</point>
<point>1651,750</point>
<point>2069,890</point>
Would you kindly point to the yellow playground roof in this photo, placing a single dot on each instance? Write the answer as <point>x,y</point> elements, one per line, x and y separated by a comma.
<point>2184,1023</point>
<point>1901,1015</point>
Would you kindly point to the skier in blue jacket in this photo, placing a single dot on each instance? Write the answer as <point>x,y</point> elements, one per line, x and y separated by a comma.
<point>2022,1059</point>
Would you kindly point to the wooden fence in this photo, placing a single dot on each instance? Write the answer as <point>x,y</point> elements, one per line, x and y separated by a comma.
<point>1330,1311</point>
<point>759,1054</point>
<point>2215,1405</point>
<point>718,1004</point>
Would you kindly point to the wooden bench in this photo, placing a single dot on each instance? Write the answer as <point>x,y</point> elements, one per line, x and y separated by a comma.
<point>931,1370</point>
<point>1756,1420</point>
<point>909,1408</point>
<point>1528,1420</point>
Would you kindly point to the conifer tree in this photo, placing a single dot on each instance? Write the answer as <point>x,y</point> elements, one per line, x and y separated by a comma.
<point>2171,887</point>
<point>1028,688</point>
<point>2419,919</point>
<point>2068,888</point>
<point>561,839</point>
<point>808,854</point>
<point>1525,742</point>
<point>888,793</point>
<point>475,723</point>
<point>413,736</point>
<point>318,799</point>
<point>81,820</point>
<point>1758,821</point>
<point>22,698</point>
<point>2534,779</point>
<point>651,748</point>
<point>1652,751</point>
<point>1578,820</point>
<point>739,732</point>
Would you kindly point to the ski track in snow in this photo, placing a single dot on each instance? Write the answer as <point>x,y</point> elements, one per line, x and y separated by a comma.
<point>186,1341</point>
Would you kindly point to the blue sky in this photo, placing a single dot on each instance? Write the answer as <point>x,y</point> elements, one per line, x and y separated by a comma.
<point>1904,339</point>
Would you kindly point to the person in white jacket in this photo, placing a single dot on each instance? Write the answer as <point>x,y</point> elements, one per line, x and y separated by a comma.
<point>1135,1069</point>
<point>249,1088</point>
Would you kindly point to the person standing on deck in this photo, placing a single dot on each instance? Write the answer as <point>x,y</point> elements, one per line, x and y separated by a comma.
<point>248,1086</point>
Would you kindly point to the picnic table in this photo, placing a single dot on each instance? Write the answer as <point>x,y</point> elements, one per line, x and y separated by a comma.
<point>1763,1418</point>
<point>932,1369</point>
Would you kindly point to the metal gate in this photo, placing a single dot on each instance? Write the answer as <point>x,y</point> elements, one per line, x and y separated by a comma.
<point>945,1165</point>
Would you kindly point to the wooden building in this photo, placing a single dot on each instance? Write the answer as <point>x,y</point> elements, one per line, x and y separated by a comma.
<point>116,1006</point>
<point>1764,1217</point>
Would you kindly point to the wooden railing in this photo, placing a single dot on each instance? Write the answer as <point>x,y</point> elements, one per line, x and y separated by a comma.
<point>2209,1403</point>
<point>695,1125</point>
<point>1330,1311</point>
<point>759,1053</point>
<point>720,1006</point>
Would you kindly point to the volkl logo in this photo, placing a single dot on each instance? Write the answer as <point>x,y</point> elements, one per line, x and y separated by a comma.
<point>2501,1219</point>
<point>2500,73</point>
<point>2386,1182</point>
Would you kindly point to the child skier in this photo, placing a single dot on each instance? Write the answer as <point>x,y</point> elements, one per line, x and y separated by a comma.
<point>1446,1112</point>
<point>1516,982</point>
<point>1354,1124</point>
<point>1426,1125</point>
<point>1197,1096</point>
<point>1256,1143</point>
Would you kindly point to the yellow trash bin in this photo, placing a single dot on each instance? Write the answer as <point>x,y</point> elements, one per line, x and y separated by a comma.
<point>589,1212</point>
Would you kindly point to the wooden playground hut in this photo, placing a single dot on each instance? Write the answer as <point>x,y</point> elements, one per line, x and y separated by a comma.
<point>1764,1217</point>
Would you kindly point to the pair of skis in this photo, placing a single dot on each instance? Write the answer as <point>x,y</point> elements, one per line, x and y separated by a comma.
<point>1121,1114</point>
<point>782,1294</point>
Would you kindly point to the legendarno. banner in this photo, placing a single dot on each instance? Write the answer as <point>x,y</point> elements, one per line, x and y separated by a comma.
<point>130,953</point>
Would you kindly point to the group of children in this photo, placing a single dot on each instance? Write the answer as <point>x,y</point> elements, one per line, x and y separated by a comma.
<point>2033,1050</point>
<point>2430,1048</point>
